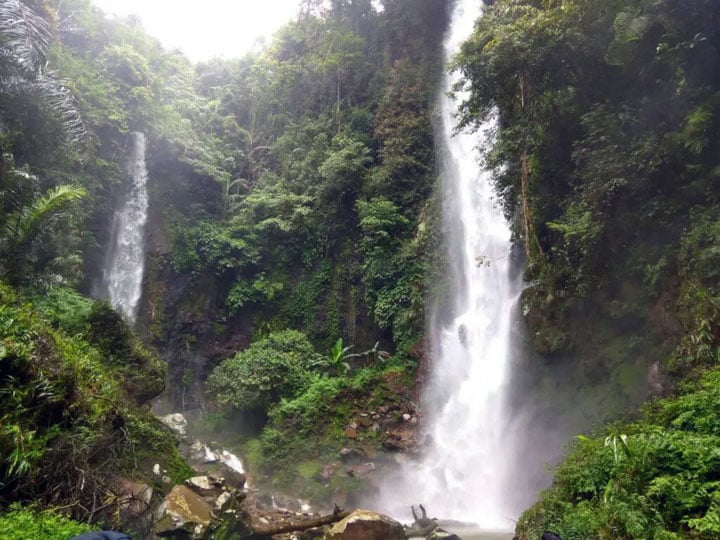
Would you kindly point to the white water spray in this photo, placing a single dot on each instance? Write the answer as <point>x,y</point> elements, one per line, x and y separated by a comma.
<point>465,474</point>
<point>124,268</point>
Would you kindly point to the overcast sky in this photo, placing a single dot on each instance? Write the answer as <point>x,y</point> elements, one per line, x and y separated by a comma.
<point>203,29</point>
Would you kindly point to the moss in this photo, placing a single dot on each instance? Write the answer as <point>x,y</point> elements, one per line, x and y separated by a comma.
<point>155,291</point>
<point>177,469</point>
<point>143,371</point>
<point>154,443</point>
<point>23,523</point>
<point>252,451</point>
<point>308,470</point>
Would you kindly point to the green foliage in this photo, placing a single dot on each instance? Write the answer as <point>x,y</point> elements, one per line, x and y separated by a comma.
<point>658,479</point>
<point>309,428</point>
<point>316,403</point>
<point>337,358</point>
<point>110,333</point>
<point>336,112</point>
<point>272,368</point>
<point>29,92</point>
<point>66,403</point>
<point>28,216</point>
<point>614,160</point>
<point>64,307</point>
<point>22,523</point>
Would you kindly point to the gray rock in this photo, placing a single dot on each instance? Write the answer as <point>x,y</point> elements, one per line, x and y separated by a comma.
<point>366,525</point>
<point>352,455</point>
<point>362,470</point>
<point>222,501</point>
<point>176,422</point>
<point>440,534</point>
<point>202,485</point>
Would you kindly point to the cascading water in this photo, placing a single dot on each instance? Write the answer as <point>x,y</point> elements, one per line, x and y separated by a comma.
<point>464,475</point>
<point>124,265</point>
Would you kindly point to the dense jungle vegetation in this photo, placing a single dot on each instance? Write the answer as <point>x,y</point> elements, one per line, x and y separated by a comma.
<point>291,190</point>
<point>607,155</point>
<point>293,241</point>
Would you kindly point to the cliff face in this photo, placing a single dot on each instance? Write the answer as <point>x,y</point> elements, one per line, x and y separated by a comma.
<point>183,315</point>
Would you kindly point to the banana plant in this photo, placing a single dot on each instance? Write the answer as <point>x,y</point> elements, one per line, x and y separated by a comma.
<point>338,357</point>
<point>619,444</point>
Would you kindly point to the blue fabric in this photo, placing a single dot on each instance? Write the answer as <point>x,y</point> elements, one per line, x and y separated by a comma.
<point>102,535</point>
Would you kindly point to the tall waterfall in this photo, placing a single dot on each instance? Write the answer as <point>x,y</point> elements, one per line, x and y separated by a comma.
<point>124,265</point>
<point>465,473</point>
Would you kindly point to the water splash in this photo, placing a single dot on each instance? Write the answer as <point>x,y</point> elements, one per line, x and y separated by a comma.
<point>464,475</point>
<point>125,261</point>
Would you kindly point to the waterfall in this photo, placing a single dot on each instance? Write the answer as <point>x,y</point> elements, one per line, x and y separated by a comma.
<point>125,261</point>
<point>465,472</point>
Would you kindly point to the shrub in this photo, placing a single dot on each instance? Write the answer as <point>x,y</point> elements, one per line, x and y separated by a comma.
<point>270,369</point>
<point>664,486</point>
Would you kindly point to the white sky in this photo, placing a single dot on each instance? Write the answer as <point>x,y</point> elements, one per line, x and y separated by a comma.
<point>203,29</point>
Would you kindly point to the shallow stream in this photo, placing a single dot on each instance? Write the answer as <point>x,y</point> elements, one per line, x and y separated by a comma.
<point>478,534</point>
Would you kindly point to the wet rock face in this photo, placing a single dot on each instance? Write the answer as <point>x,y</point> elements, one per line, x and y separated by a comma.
<point>366,525</point>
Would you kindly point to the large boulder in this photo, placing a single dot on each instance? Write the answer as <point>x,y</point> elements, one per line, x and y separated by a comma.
<point>185,513</point>
<point>366,525</point>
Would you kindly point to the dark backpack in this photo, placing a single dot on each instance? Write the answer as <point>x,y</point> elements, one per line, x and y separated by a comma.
<point>102,535</point>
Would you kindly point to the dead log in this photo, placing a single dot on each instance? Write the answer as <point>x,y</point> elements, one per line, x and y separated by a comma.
<point>300,525</point>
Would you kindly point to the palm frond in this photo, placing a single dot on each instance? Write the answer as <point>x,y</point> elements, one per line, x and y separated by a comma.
<point>31,218</point>
<point>63,103</point>
<point>24,39</point>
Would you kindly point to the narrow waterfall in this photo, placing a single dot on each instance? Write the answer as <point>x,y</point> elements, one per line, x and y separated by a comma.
<point>124,265</point>
<point>464,474</point>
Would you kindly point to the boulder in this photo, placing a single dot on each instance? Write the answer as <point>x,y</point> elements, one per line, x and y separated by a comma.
<point>176,422</point>
<point>362,470</point>
<point>222,475</point>
<point>328,471</point>
<point>134,497</point>
<point>199,452</point>
<point>402,440</point>
<point>205,485</point>
<point>184,512</point>
<point>352,455</point>
<point>440,534</point>
<point>223,501</point>
<point>366,525</point>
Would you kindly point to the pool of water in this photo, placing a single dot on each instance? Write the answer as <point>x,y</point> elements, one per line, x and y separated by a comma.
<point>470,533</point>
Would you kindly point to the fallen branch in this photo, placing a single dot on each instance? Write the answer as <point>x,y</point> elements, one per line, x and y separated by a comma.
<point>301,525</point>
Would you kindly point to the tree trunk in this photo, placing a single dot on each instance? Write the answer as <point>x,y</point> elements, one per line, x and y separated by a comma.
<point>524,198</point>
<point>528,228</point>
